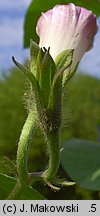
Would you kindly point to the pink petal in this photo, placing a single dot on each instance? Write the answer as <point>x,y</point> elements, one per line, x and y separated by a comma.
<point>67,27</point>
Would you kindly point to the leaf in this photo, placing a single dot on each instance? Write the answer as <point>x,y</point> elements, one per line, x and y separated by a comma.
<point>7,184</point>
<point>81,161</point>
<point>38,6</point>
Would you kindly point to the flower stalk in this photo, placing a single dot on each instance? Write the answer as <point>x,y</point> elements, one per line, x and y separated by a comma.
<point>23,148</point>
<point>54,155</point>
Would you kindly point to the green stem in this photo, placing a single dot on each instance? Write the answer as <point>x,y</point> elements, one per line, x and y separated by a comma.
<point>54,155</point>
<point>23,147</point>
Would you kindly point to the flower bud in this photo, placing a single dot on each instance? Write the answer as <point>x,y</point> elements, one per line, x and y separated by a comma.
<point>67,27</point>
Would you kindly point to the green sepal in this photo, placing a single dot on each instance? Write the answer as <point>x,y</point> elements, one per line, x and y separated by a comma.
<point>56,91</point>
<point>48,67</point>
<point>70,75</point>
<point>64,59</point>
<point>54,104</point>
<point>40,57</point>
<point>46,70</point>
<point>34,49</point>
<point>28,74</point>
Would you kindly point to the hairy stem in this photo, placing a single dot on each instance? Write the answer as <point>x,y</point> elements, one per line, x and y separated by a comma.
<point>54,155</point>
<point>23,147</point>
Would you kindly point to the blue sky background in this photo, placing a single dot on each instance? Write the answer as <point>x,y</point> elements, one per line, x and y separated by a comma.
<point>11,38</point>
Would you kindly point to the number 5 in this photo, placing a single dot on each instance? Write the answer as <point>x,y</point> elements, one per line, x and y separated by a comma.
<point>93,208</point>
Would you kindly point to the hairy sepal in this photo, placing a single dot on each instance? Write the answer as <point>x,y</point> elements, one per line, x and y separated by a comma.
<point>34,50</point>
<point>46,70</point>
<point>64,59</point>
<point>28,74</point>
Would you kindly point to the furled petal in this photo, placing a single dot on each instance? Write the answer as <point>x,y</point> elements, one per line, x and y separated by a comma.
<point>67,27</point>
